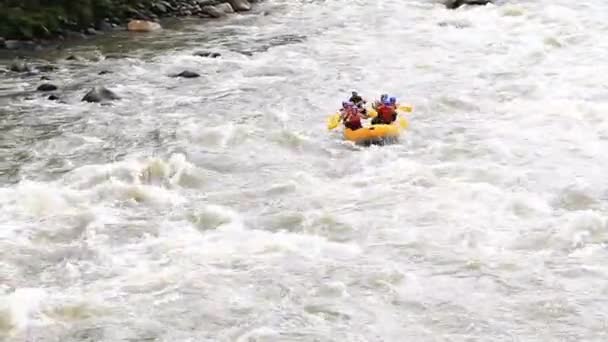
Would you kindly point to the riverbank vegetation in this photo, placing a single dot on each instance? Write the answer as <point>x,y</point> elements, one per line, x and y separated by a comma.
<point>42,19</point>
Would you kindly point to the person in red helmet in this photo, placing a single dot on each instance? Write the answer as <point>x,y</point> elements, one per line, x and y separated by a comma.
<point>352,117</point>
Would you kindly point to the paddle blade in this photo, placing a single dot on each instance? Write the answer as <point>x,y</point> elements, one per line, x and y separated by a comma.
<point>407,109</point>
<point>333,121</point>
<point>372,113</point>
<point>403,123</point>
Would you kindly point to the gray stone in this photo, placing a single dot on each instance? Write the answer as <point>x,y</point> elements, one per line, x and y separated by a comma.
<point>104,26</point>
<point>90,31</point>
<point>100,94</point>
<point>213,11</point>
<point>20,67</point>
<point>159,8</point>
<point>453,4</point>
<point>53,97</point>
<point>240,5</point>
<point>207,54</point>
<point>46,87</point>
<point>187,74</point>
<point>46,68</point>
<point>225,7</point>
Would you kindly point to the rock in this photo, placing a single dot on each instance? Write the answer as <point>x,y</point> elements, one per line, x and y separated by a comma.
<point>45,78</point>
<point>73,34</point>
<point>159,8</point>
<point>20,67</point>
<point>104,25</point>
<point>136,15</point>
<point>46,87</point>
<point>240,5</point>
<point>225,7</point>
<point>213,12</point>
<point>100,94</point>
<point>20,44</point>
<point>453,4</point>
<point>142,26</point>
<point>2,43</point>
<point>187,74</point>
<point>53,97</point>
<point>90,31</point>
<point>46,68</point>
<point>72,58</point>
<point>207,54</point>
<point>104,72</point>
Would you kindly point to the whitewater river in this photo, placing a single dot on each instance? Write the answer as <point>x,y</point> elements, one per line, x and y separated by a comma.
<point>221,209</point>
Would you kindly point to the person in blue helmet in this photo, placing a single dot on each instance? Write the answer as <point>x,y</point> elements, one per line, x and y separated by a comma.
<point>383,98</point>
<point>393,102</point>
<point>387,112</point>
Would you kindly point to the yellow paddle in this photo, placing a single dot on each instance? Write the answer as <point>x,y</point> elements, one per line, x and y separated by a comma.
<point>333,121</point>
<point>403,122</point>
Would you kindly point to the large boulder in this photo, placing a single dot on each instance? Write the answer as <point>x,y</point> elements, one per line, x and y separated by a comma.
<point>100,94</point>
<point>225,7</point>
<point>142,26</point>
<point>46,68</point>
<point>453,4</point>
<point>207,54</point>
<point>240,5</point>
<point>187,74</point>
<point>19,66</point>
<point>46,87</point>
<point>213,11</point>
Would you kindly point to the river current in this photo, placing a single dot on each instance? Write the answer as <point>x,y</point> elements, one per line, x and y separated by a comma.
<point>221,208</point>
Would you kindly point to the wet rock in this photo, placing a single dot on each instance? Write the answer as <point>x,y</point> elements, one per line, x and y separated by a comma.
<point>2,43</point>
<point>46,68</point>
<point>225,7</point>
<point>453,4</point>
<point>90,31</point>
<point>53,97</point>
<point>159,8</point>
<point>21,45</point>
<point>73,34</point>
<point>73,58</point>
<point>136,14</point>
<point>207,54</point>
<point>240,5</point>
<point>19,66</point>
<point>46,87</point>
<point>104,26</point>
<point>100,94</point>
<point>45,78</point>
<point>142,26</point>
<point>104,72</point>
<point>187,74</point>
<point>213,11</point>
<point>116,56</point>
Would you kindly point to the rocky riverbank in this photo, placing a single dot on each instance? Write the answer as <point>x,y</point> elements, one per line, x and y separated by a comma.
<point>33,24</point>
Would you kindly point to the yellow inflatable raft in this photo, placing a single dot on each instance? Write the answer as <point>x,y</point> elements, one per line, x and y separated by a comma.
<point>376,133</point>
